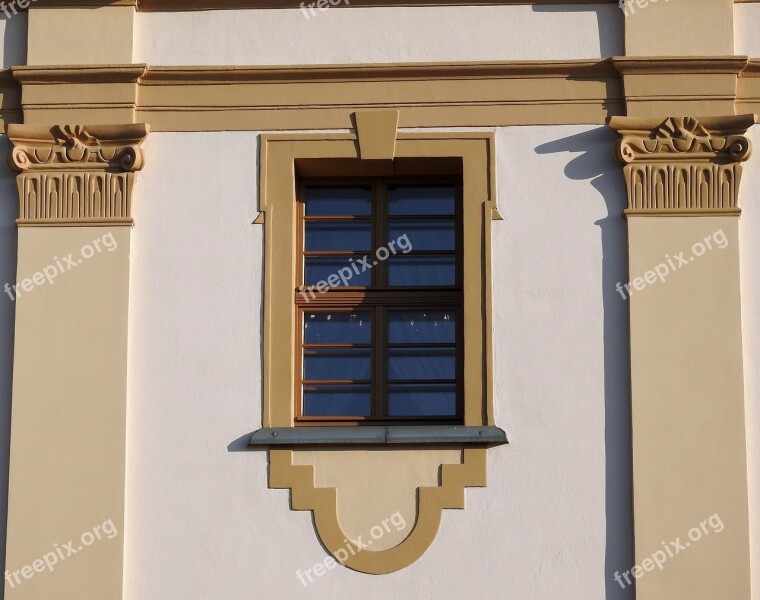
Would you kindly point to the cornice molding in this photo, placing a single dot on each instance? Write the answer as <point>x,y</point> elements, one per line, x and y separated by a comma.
<point>72,74</point>
<point>76,174</point>
<point>704,65</point>
<point>683,165</point>
<point>195,5</point>
<point>475,94</point>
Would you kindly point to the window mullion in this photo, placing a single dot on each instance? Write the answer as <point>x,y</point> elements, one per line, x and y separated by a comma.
<point>378,371</point>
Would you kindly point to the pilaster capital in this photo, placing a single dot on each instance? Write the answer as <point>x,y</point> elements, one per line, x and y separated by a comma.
<point>683,165</point>
<point>76,174</point>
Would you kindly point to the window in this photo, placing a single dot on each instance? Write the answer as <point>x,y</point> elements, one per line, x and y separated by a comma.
<point>372,204</point>
<point>379,301</point>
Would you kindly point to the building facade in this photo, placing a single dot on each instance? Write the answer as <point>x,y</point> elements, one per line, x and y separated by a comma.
<point>374,298</point>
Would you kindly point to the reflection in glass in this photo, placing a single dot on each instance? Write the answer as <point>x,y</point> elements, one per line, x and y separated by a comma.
<point>426,327</point>
<point>337,328</point>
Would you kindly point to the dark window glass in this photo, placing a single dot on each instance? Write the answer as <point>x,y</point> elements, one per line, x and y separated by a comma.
<point>331,400</point>
<point>425,235</point>
<point>338,235</point>
<point>336,272</point>
<point>338,201</point>
<point>421,363</point>
<point>422,400</point>
<point>420,200</point>
<point>382,342</point>
<point>420,271</point>
<point>336,364</point>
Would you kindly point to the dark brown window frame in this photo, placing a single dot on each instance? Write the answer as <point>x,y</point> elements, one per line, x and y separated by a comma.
<point>379,299</point>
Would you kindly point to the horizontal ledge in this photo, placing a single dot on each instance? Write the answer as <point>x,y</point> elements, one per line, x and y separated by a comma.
<point>112,222</point>
<point>392,434</point>
<point>696,212</point>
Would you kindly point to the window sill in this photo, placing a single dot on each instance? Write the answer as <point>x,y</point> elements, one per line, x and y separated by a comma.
<point>374,435</point>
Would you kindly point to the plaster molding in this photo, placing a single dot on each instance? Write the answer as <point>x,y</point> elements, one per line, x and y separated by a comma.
<point>76,174</point>
<point>683,165</point>
<point>323,502</point>
<point>376,132</point>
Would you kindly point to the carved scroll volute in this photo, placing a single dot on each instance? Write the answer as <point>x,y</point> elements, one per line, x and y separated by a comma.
<point>683,165</point>
<point>76,174</point>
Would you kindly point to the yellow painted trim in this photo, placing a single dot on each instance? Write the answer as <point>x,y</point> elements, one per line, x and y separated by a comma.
<point>322,96</point>
<point>104,34</point>
<point>279,157</point>
<point>323,504</point>
<point>487,94</point>
<point>376,132</point>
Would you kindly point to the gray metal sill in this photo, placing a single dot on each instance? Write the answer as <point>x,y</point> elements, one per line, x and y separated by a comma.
<point>373,435</point>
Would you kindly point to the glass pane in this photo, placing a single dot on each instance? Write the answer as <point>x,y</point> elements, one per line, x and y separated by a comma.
<point>336,272</point>
<point>331,364</point>
<point>337,401</point>
<point>422,327</point>
<point>421,363</point>
<point>421,200</point>
<point>421,270</point>
<point>337,328</point>
<point>422,400</point>
<point>338,201</point>
<point>425,235</point>
<point>338,235</point>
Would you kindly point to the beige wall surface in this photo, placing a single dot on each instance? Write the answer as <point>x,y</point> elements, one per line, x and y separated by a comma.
<point>689,460</point>
<point>69,411</point>
<point>680,28</point>
<point>8,249</point>
<point>85,35</point>
<point>749,230</point>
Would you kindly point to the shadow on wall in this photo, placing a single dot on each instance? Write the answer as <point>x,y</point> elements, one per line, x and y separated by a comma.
<point>596,147</point>
<point>13,31</point>
<point>8,245</point>
<point>611,30</point>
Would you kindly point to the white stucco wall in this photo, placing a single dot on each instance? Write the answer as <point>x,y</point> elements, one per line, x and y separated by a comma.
<point>746,24</point>
<point>379,35</point>
<point>201,522</point>
<point>750,273</point>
